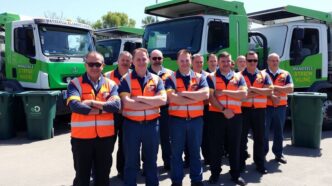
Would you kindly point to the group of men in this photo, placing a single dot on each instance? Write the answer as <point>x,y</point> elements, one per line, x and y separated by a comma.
<point>185,110</point>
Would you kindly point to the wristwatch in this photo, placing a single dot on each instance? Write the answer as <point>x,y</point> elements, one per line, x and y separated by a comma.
<point>100,111</point>
<point>91,104</point>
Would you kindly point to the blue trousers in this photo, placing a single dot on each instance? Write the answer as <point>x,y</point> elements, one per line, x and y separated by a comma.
<point>275,118</point>
<point>135,134</point>
<point>184,131</point>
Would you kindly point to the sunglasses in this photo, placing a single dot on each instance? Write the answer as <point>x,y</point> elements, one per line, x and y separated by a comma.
<point>157,58</point>
<point>98,65</point>
<point>252,60</point>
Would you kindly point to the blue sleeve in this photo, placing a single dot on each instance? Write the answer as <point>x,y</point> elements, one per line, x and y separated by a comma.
<point>123,87</point>
<point>169,84</point>
<point>115,105</point>
<point>78,107</point>
<point>203,83</point>
<point>75,105</point>
<point>289,79</point>
<point>267,80</point>
<point>160,85</point>
<point>210,82</point>
<point>242,82</point>
<point>72,90</point>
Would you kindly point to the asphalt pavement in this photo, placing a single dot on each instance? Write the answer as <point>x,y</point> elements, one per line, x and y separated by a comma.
<point>49,162</point>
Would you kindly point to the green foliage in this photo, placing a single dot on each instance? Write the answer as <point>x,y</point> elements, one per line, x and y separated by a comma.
<point>148,20</point>
<point>114,19</point>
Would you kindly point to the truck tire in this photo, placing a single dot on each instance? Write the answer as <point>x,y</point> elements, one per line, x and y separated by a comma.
<point>327,112</point>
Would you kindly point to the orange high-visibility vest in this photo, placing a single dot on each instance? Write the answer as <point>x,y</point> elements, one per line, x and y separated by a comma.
<point>227,101</point>
<point>91,126</point>
<point>166,75</point>
<point>280,80</point>
<point>258,101</point>
<point>191,110</point>
<point>136,90</point>
<point>110,75</point>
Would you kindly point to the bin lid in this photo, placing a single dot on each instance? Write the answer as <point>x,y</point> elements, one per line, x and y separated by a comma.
<point>309,94</point>
<point>39,93</point>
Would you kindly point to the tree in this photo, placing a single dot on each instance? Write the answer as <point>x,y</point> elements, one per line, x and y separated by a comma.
<point>114,19</point>
<point>148,20</point>
<point>84,21</point>
<point>53,15</point>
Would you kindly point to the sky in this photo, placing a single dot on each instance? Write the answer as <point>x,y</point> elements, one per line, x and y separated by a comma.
<point>94,10</point>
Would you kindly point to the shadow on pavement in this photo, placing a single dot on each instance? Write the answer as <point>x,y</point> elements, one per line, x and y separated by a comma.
<point>300,151</point>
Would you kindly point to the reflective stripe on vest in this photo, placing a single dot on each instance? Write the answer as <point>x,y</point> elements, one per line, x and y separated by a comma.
<point>191,110</point>
<point>280,81</point>
<point>91,126</point>
<point>110,75</point>
<point>227,101</point>
<point>258,101</point>
<point>136,90</point>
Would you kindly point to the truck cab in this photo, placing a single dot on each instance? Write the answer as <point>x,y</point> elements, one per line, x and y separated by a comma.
<point>198,26</point>
<point>43,53</point>
<point>112,41</point>
<point>302,38</point>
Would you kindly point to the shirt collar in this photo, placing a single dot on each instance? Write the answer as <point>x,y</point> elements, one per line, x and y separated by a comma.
<point>228,76</point>
<point>148,75</point>
<point>161,72</point>
<point>274,74</point>
<point>86,78</point>
<point>245,72</point>
<point>179,75</point>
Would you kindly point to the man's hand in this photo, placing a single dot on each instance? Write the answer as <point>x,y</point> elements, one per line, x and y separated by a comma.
<point>87,102</point>
<point>218,92</point>
<point>275,100</point>
<point>228,113</point>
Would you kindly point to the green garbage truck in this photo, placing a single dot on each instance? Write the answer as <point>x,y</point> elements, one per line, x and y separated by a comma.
<point>302,38</point>
<point>42,54</point>
<point>112,41</point>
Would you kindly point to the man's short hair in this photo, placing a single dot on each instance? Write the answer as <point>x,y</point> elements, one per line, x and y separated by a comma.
<point>250,53</point>
<point>273,55</point>
<point>196,55</point>
<point>126,53</point>
<point>94,53</point>
<point>224,54</point>
<point>210,55</point>
<point>183,51</point>
<point>141,50</point>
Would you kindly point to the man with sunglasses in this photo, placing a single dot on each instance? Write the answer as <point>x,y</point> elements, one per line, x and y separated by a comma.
<point>253,109</point>
<point>156,67</point>
<point>93,99</point>
<point>227,88</point>
<point>277,106</point>
<point>124,63</point>
<point>142,94</point>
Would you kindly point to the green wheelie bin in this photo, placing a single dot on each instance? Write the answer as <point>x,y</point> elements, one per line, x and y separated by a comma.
<point>7,129</point>
<point>40,110</point>
<point>307,118</point>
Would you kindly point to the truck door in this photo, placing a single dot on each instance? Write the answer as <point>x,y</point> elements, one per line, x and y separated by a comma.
<point>307,54</point>
<point>21,64</point>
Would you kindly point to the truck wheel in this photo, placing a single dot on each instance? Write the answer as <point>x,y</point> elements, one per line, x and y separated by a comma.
<point>327,114</point>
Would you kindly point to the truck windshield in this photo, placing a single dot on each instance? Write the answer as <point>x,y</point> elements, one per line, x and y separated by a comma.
<point>174,35</point>
<point>65,41</point>
<point>109,49</point>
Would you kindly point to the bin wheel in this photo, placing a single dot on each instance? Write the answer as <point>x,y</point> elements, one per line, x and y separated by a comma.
<point>327,114</point>
<point>52,133</point>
